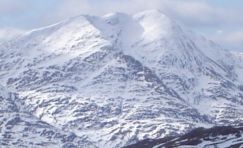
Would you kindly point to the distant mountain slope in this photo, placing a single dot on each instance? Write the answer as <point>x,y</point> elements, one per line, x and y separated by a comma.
<point>122,78</point>
<point>221,136</point>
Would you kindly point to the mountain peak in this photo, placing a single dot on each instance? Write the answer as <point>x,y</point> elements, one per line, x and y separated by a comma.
<point>157,25</point>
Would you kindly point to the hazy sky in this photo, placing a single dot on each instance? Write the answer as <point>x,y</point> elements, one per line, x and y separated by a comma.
<point>220,20</point>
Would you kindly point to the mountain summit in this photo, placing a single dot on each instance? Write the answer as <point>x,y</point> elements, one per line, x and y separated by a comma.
<point>121,78</point>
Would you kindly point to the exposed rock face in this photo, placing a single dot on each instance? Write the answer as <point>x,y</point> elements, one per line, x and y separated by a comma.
<point>118,79</point>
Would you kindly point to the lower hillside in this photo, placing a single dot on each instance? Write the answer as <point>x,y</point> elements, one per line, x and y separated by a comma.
<point>20,129</point>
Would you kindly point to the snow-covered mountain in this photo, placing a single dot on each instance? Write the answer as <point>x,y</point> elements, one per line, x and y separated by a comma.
<point>121,78</point>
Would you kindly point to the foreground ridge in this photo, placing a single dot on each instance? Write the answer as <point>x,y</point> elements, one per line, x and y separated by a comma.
<point>220,136</point>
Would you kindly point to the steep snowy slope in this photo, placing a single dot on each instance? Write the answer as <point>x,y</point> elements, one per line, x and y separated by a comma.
<point>21,129</point>
<point>239,66</point>
<point>121,78</point>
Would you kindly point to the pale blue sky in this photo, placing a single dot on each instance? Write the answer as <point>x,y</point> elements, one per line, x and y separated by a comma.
<point>220,20</point>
